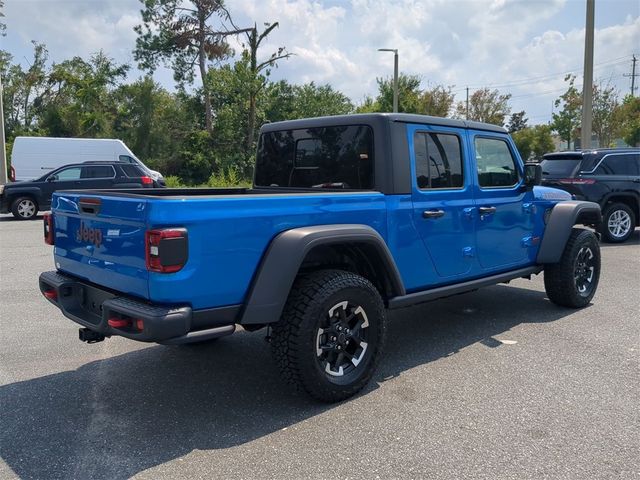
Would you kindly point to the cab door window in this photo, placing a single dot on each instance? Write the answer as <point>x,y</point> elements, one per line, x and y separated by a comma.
<point>68,174</point>
<point>495,163</point>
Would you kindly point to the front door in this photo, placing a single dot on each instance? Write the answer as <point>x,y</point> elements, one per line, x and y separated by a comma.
<point>443,200</point>
<point>504,220</point>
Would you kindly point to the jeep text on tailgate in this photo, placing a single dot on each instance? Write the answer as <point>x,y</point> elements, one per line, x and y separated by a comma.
<point>348,217</point>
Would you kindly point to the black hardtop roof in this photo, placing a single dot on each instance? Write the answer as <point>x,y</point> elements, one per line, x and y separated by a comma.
<point>371,118</point>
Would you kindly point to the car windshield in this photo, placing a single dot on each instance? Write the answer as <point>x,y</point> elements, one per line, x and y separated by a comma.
<point>559,166</point>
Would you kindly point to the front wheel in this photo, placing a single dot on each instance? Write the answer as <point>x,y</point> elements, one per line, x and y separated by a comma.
<point>573,281</point>
<point>331,334</point>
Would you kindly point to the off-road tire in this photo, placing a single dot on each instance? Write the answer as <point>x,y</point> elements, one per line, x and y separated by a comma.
<point>24,208</point>
<point>580,260</point>
<point>314,303</point>
<point>625,216</point>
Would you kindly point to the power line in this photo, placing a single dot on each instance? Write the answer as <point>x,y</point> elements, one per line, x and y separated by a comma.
<point>528,80</point>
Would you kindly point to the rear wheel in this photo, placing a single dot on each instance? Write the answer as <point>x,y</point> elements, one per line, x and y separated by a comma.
<point>24,208</point>
<point>331,334</point>
<point>618,223</point>
<point>573,281</point>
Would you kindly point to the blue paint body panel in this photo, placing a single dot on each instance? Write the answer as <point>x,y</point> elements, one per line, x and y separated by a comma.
<point>229,234</point>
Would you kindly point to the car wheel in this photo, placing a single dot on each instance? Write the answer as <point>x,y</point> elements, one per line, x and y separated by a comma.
<point>24,208</point>
<point>330,337</point>
<point>618,223</point>
<point>573,281</point>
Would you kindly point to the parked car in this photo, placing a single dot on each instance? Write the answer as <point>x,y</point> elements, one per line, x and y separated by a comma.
<point>25,199</point>
<point>31,157</point>
<point>348,217</point>
<point>608,177</point>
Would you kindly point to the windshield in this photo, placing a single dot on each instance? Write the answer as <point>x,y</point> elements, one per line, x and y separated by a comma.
<point>328,157</point>
<point>559,166</point>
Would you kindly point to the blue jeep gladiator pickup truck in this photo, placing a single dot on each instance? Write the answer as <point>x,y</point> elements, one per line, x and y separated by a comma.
<point>348,217</point>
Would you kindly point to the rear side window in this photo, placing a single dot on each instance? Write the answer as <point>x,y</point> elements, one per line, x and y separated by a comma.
<point>619,165</point>
<point>495,163</point>
<point>132,171</point>
<point>327,157</point>
<point>438,160</point>
<point>98,171</point>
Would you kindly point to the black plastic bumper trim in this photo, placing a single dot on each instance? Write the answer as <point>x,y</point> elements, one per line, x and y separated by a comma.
<point>92,306</point>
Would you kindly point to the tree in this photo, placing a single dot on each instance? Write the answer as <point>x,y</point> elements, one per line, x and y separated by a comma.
<point>567,120</point>
<point>605,121</point>
<point>408,94</point>
<point>181,33</point>
<point>437,101</point>
<point>628,115</point>
<point>258,81</point>
<point>77,101</point>
<point>517,122</point>
<point>22,89</point>
<point>487,106</point>
<point>534,142</point>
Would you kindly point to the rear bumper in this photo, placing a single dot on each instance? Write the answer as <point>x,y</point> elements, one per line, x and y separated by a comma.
<point>93,307</point>
<point>4,205</point>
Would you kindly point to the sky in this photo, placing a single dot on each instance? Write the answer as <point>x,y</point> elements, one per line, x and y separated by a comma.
<point>521,47</point>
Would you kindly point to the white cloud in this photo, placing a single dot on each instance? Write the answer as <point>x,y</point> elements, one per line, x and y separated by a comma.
<point>453,42</point>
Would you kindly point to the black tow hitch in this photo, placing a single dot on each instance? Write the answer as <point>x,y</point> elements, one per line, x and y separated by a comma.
<point>89,336</point>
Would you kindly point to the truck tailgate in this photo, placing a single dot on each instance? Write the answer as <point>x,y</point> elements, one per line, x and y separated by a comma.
<point>101,239</point>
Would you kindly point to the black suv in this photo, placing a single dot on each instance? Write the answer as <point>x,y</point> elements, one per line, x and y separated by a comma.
<point>610,177</point>
<point>25,199</point>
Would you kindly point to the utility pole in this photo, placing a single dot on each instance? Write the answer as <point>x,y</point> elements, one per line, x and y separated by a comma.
<point>467,103</point>
<point>3,158</point>
<point>633,75</point>
<point>587,84</point>
<point>395,76</point>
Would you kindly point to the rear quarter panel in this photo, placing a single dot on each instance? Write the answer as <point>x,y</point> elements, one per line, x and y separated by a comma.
<point>228,236</point>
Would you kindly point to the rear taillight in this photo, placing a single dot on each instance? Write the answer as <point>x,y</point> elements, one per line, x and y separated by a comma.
<point>12,174</point>
<point>167,249</point>
<point>48,228</point>
<point>146,180</point>
<point>577,181</point>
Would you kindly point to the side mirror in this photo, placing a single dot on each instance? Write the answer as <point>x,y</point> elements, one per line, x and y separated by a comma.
<point>532,174</point>
<point>52,178</point>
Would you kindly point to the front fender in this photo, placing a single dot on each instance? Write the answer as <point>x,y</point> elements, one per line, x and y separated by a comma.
<point>558,229</point>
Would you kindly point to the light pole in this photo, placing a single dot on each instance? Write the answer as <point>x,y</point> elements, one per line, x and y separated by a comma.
<point>587,84</point>
<point>3,160</point>
<point>395,75</point>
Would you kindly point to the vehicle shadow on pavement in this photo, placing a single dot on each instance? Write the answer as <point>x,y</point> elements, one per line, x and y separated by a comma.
<point>116,417</point>
<point>11,218</point>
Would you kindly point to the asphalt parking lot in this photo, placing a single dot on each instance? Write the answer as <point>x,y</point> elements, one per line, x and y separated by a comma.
<point>495,384</point>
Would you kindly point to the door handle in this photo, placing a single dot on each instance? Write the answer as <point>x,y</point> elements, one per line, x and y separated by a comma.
<point>636,180</point>
<point>433,213</point>
<point>487,210</point>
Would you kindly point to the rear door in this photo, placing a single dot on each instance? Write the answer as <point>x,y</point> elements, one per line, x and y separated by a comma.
<point>97,177</point>
<point>504,218</point>
<point>443,199</point>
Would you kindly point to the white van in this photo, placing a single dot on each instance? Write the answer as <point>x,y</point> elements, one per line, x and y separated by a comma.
<point>33,157</point>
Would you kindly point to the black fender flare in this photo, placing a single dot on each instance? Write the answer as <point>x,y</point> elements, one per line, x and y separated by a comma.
<point>563,217</point>
<point>17,192</point>
<point>284,256</point>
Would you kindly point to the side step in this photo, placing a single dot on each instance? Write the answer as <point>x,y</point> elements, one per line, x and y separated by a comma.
<point>201,335</point>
